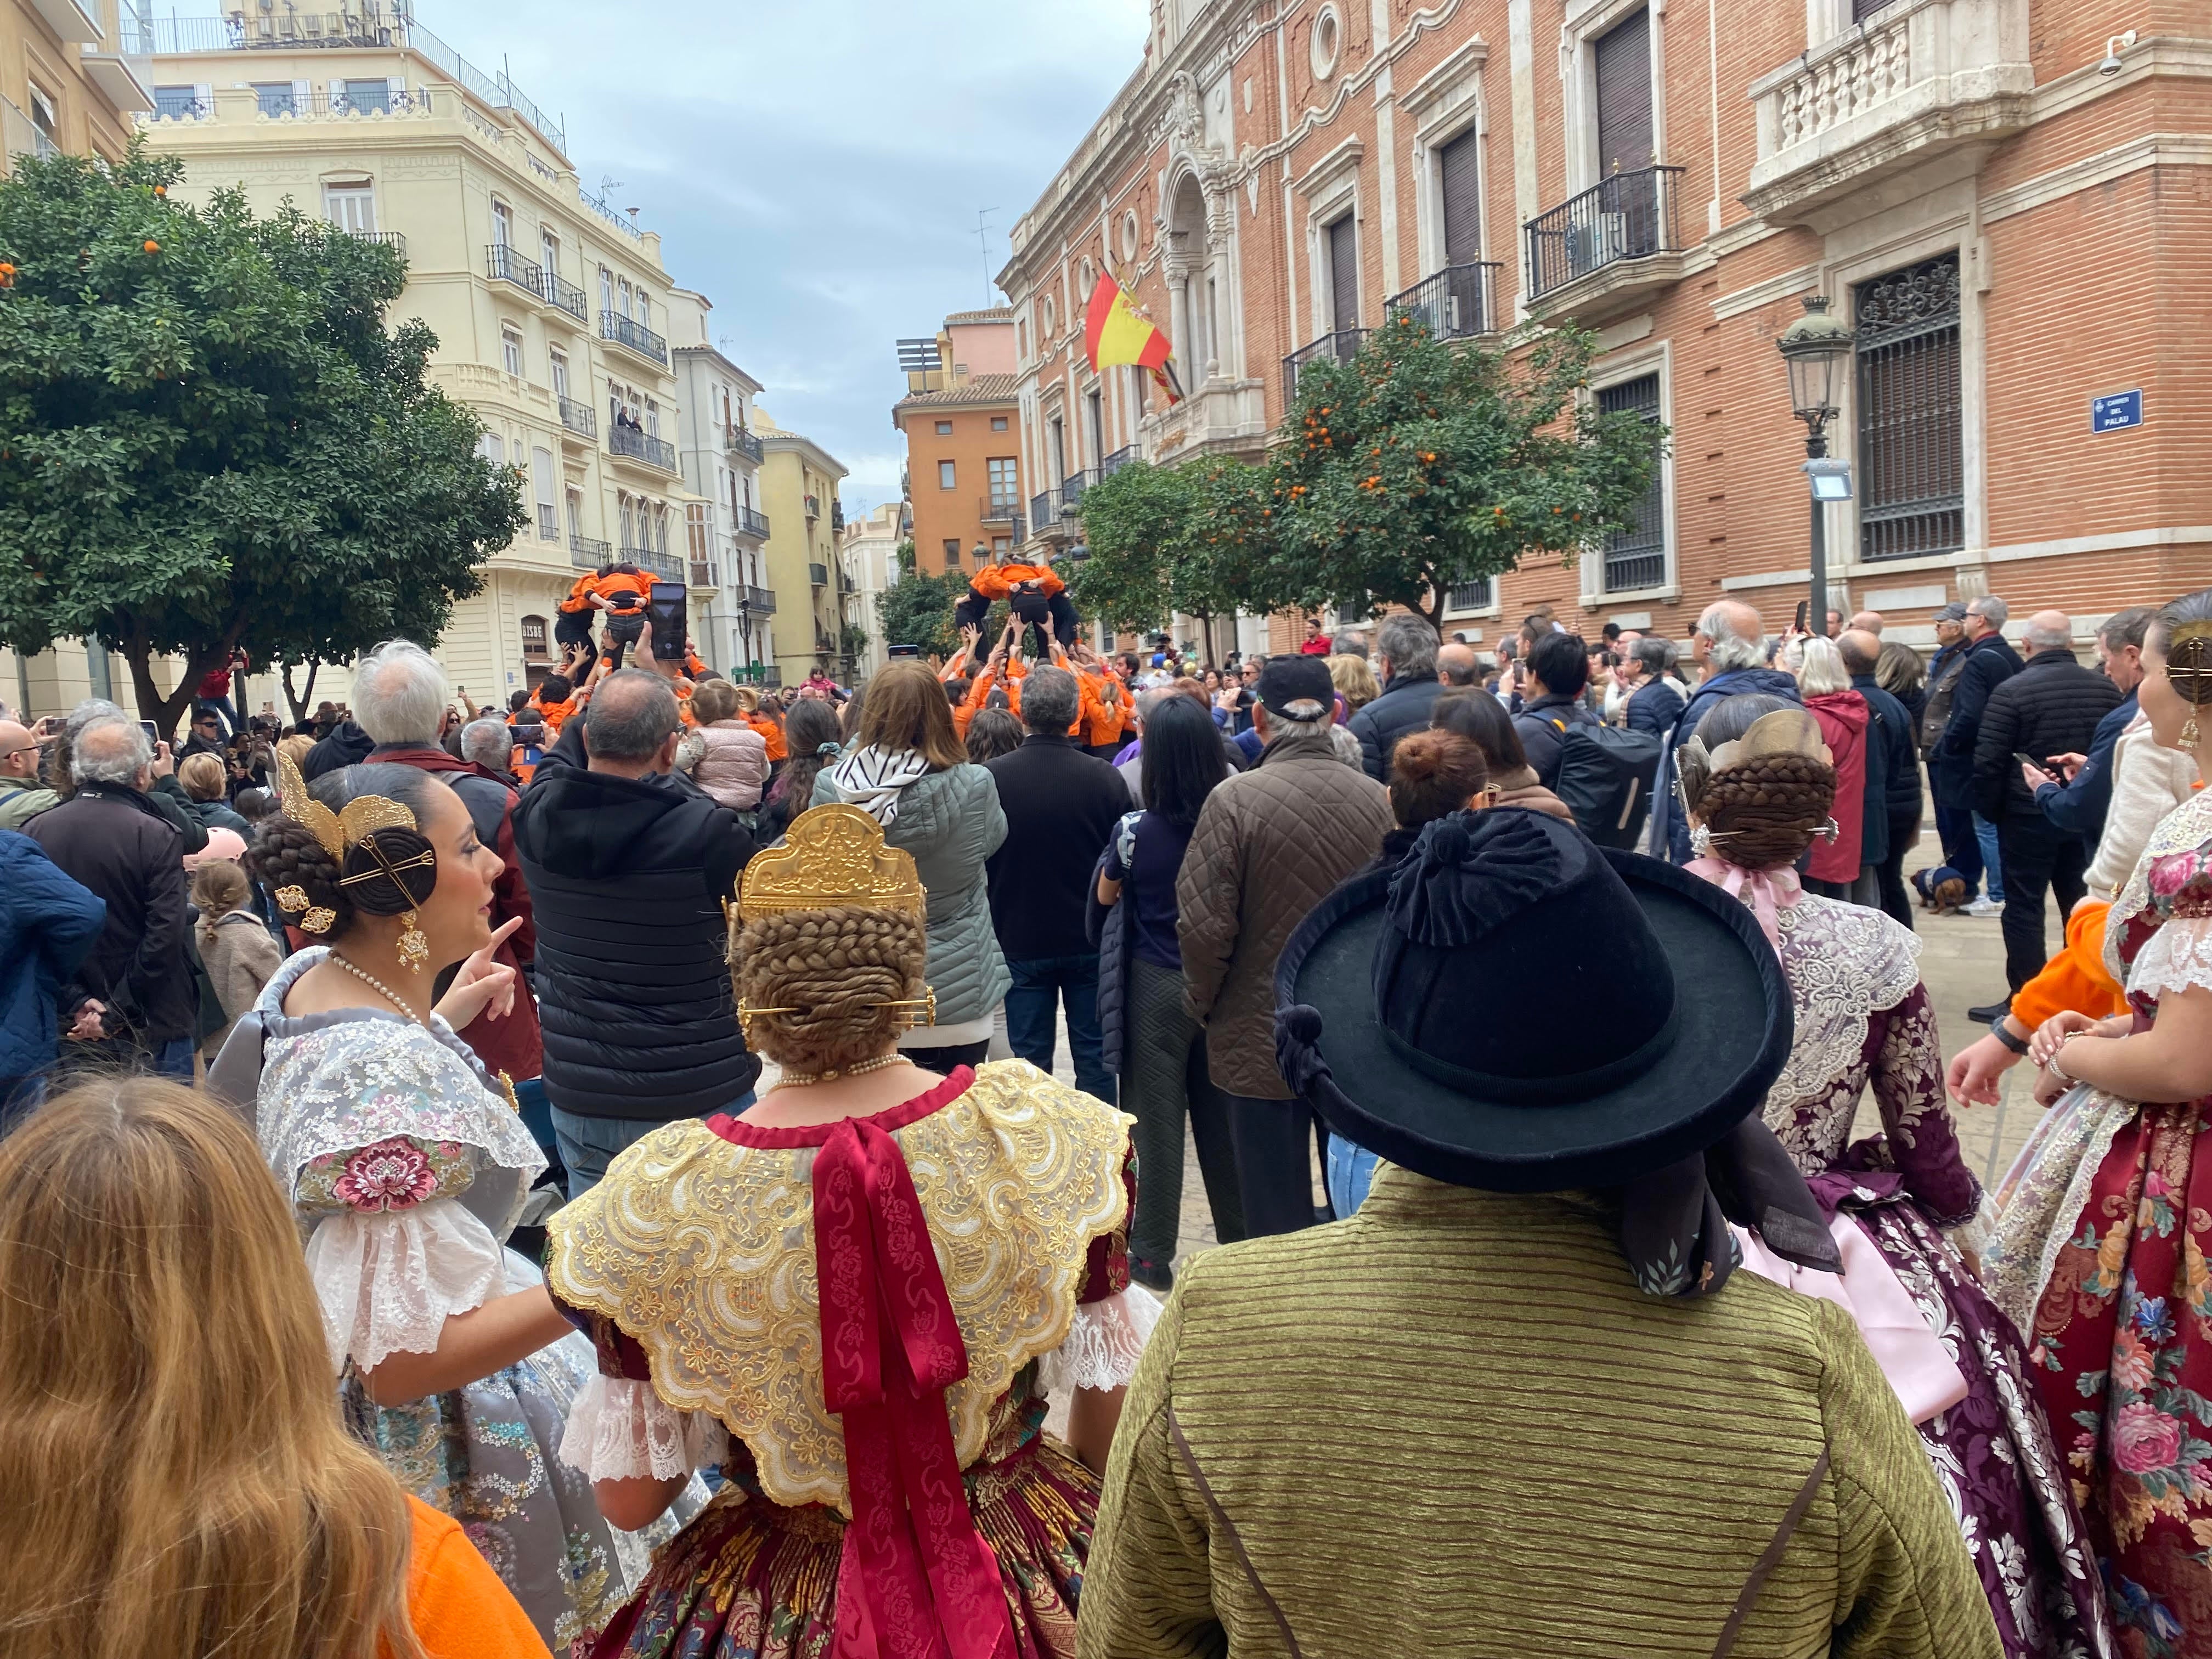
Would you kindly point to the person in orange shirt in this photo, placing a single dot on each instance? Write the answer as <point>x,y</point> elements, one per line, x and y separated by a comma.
<point>573,625</point>
<point>555,700</point>
<point>621,591</point>
<point>763,716</point>
<point>145,1254</point>
<point>1031,591</point>
<point>1105,701</point>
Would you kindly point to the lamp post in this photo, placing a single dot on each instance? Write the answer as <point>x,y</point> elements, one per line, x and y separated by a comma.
<point>1817,348</point>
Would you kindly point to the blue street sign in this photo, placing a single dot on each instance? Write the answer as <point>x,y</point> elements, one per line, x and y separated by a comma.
<point>2122,409</point>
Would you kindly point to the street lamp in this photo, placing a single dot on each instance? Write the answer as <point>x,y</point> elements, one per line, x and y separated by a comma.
<point>1817,348</point>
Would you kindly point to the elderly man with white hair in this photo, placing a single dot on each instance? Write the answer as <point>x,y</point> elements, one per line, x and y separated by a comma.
<point>131,1003</point>
<point>2051,706</point>
<point>402,701</point>
<point>1730,647</point>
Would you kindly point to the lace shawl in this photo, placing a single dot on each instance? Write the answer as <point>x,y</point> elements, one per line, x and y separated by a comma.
<point>703,1252</point>
<point>2170,892</point>
<point>1844,963</point>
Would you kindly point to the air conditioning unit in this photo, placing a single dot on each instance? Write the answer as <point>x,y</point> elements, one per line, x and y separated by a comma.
<point>1598,243</point>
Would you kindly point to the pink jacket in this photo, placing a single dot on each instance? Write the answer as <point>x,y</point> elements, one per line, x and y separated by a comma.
<point>734,768</point>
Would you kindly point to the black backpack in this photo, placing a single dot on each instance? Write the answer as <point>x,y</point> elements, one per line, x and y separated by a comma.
<point>1604,779</point>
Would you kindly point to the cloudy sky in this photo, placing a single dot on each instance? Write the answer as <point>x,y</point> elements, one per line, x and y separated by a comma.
<point>815,168</point>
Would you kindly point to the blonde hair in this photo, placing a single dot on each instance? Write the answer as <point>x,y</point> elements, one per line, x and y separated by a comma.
<point>714,701</point>
<point>905,710</point>
<point>296,747</point>
<point>178,1480</point>
<point>833,970</point>
<point>202,777</point>
<point>218,888</point>
<point>1355,679</point>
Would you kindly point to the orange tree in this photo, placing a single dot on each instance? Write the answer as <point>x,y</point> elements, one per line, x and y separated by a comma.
<point>1194,539</point>
<point>1419,465</point>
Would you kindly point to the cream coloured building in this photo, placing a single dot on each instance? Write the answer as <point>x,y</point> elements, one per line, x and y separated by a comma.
<point>798,482</point>
<point>869,554</point>
<point>732,606</point>
<point>551,308</point>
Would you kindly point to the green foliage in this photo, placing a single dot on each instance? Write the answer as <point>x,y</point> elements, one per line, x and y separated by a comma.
<point>208,438</point>
<point>1419,465</point>
<point>903,554</point>
<point>1193,538</point>
<point>852,639</point>
<point>917,610</point>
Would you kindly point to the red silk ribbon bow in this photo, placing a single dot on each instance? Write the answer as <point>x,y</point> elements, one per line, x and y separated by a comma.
<point>916,1580</point>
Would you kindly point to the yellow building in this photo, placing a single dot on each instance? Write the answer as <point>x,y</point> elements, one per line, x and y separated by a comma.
<point>799,483</point>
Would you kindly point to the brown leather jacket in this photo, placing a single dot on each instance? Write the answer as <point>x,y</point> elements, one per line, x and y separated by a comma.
<point>1270,844</point>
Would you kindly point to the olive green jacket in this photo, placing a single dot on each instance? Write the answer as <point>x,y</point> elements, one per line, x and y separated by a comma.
<point>1453,1427</point>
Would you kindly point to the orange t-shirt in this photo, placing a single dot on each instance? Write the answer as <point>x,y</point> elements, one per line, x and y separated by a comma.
<point>996,581</point>
<point>459,1607</point>
<point>2075,980</point>
<point>554,714</point>
<point>1100,721</point>
<point>626,592</point>
<point>771,735</point>
<point>579,595</point>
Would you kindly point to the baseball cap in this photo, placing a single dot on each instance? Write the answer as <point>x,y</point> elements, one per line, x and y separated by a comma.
<point>1296,687</point>
<point>1953,611</point>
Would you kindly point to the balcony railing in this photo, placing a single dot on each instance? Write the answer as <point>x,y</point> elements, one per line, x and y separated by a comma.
<point>750,523</point>
<point>1120,459</point>
<point>998,509</point>
<point>813,508</point>
<point>739,441</point>
<point>662,565</point>
<point>1342,347</point>
<point>503,264</point>
<point>1073,486</point>
<point>759,601</point>
<point>565,294</point>
<point>1044,508</point>
<point>642,447</point>
<point>818,574</point>
<point>1457,303</point>
<point>704,574</point>
<point>579,418</point>
<point>588,555</point>
<point>1629,215</point>
<point>633,334</point>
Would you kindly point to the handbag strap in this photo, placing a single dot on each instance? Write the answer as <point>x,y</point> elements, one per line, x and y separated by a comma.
<point>1770,1557</point>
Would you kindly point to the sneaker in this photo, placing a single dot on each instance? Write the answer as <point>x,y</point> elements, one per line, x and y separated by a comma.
<point>1991,1014</point>
<point>1982,906</point>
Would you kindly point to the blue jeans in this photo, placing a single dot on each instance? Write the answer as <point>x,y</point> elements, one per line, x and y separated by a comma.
<point>589,1145</point>
<point>174,1060</point>
<point>1351,1172</point>
<point>1985,837</point>
<point>1040,987</point>
<point>1962,849</point>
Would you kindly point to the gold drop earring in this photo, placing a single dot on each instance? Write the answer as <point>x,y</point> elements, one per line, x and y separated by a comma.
<point>414,947</point>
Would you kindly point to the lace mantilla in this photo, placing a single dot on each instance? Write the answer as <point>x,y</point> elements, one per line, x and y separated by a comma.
<point>2186,829</point>
<point>2177,958</point>
<point>1844,962</point>
<point>332,1087</point>
<point>1104,1342</point>
<point>388,1281</point>
<point>703,1253</point>
<point>620,1429</point>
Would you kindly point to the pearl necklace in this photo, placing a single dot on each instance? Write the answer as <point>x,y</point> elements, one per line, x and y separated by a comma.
<point>376,984</point>
<point>801,1079</point>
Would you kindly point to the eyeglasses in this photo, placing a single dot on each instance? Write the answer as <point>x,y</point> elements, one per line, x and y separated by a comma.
<point>27,749</point>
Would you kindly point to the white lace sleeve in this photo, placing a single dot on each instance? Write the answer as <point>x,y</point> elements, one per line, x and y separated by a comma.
<point>389,1279</point>
<point>1103,1344</point>
<point>2177,958</point>
<point>620,1429</point>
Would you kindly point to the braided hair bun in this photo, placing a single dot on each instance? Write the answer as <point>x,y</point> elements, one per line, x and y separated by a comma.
<point>1763,813</point>
<point>287,854</point>
<point>833,969</point>
<point>370,880</point>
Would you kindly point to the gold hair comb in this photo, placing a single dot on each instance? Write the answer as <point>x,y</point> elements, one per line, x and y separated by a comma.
<point>363,818</point>
<point>833,858</point>
<point>2189,662</point>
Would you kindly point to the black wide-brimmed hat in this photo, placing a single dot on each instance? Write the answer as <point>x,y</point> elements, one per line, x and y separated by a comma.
<point>1514,1008</point>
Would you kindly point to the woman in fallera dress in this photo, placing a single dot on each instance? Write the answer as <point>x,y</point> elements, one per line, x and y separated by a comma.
<point>406,1167</point>
<point>2105,1220</point>
<point>1758,785</point>
<point>854,1297</point>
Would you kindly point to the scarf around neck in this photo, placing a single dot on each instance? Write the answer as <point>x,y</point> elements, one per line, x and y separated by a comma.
<point>1768,892</point>
<point>873,779</point>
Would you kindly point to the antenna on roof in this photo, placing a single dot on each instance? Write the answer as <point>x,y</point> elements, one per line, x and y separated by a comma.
<point>983,241</point>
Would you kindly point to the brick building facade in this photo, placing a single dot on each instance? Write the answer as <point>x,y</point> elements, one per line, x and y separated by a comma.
<point>963,429</point>
<point>2010,207</point>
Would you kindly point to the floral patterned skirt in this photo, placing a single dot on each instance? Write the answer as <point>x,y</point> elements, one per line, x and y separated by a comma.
<point>2122,1343</point>
<point>751,1579</point>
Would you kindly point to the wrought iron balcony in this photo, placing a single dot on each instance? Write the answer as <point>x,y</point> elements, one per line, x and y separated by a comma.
<point>1120,459</point>
<point>836,515</point>
<point>1616,237</point>
<point>391,238</point>
<point>750,523</point>
<point>578,418</point>
<point>1043,508</point>
<point>814,508</point>
<point>503,264</point>
<point>705,574</point>
<point>662,565</point>
<point>1457,303</point>
<point>998,509</point>
<point>566,295</point>
<point>1072,488</point>
<point>818,574</point>
<point>740,441</point>
<point>1340,347</point>
<point>759,601</point>
<point>588,555</point>
<point>634,336</point>
<point>642,447</point>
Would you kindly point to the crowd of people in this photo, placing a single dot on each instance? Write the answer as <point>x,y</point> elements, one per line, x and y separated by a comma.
<point>679,1236</point>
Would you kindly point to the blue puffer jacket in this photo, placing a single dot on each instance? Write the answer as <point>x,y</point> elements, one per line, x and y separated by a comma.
<point>48,922</point>
<point>1670,832</point>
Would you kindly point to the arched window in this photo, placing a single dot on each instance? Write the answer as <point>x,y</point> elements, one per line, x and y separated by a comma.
<point>534,647</point>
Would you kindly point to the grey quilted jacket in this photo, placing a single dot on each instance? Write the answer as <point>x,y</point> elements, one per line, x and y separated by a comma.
<point>1269,845</point>
<point>952,822</point>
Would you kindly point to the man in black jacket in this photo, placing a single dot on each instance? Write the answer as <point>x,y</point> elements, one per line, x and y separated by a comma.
<point>1061,805</point>
<point>2076,799</point>
<point>628,868</point>
<point>1560,669</point>
<point>2051,706</point>
<point>133,1001</point>
<point>1405,652</point>
<point>1892,815</point>
<point>1988,662</point>
<point>1657,702</point>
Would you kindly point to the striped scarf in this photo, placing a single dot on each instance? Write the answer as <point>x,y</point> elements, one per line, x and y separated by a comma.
<point>874,778</point>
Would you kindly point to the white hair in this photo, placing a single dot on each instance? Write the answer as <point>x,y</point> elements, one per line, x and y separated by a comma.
<point>399,694</point>
<point>1991,609</point>
<point>486,742</point>
<point>109,752</point>
<point>1819,666</point>
<point>1729,648</point>
<point>2051,638</point>
<point>88,713</point>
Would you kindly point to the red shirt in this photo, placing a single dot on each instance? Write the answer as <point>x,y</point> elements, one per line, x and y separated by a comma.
<point>1317,647</point>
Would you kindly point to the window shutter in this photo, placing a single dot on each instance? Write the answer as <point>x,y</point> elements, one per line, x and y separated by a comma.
<point>1624,96</point>
<point>541,474</point>
<point>1343,274</point>
<point>204,96</point>
<point>303,95</point>
<point>337,96</point>
<point>1462,200</point>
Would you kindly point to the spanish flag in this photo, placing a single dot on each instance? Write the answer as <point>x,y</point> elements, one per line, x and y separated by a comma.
<point>1114,333</point>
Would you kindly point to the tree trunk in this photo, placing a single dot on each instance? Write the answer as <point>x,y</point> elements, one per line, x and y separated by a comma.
<point>299,699</point>
<point>1434,610</point>
<point>166,712</point>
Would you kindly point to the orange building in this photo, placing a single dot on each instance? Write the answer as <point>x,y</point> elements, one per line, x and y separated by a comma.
<point>963,429</point>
